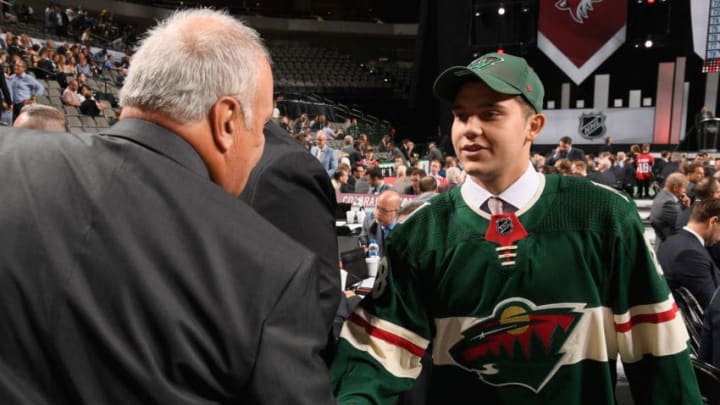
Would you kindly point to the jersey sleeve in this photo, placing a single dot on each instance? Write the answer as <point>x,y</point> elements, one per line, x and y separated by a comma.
<point>650,334</point>
<point>384,339</point>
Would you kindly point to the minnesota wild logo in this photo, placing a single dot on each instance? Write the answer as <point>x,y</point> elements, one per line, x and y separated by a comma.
<point>484,62</point>
<point>520,344</point>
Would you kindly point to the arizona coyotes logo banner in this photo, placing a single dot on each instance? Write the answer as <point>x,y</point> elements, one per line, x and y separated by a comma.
<point>579,35</point>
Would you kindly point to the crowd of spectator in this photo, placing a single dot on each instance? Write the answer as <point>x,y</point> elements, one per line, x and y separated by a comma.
<point>74,23</point>
<point>25,61</point>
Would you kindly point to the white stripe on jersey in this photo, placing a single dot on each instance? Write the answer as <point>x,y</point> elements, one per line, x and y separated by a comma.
<point>383,346</point>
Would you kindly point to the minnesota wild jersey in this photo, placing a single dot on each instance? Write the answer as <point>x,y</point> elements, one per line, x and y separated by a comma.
<point>527,308</point>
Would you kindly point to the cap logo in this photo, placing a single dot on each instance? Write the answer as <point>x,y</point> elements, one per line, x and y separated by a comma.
<point>485,61</point>
<point>528,88</point>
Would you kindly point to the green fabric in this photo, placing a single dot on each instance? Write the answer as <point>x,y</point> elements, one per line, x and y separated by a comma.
<point>585,249</point>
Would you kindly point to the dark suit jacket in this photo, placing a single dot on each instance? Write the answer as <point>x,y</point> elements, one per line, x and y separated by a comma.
<point>372,230</point>
<point>664,215</point>
<point>5,91</point>
<point>128,277</point>
<point>573,154</point>
<point>686,263</point>
<point>290,188</point>
<point>710,338</point>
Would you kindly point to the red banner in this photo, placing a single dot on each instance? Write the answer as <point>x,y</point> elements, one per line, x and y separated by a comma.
<point>579,35</point>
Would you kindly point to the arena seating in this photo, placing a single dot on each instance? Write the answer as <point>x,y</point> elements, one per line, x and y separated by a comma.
<point>301,68</point>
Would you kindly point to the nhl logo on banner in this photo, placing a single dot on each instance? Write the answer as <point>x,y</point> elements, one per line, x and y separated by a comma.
<point>504,226</point>
<point>592,125</point>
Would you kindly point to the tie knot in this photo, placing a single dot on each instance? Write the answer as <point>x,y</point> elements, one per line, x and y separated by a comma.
<point>495,205</point>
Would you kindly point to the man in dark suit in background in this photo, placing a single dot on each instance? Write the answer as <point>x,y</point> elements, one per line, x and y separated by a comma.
<point>707,187</point>
<point>684,258</point>
<point>565,150</point>
<point>376,181</point>
<point>130,273</point>
<point>290,188</point>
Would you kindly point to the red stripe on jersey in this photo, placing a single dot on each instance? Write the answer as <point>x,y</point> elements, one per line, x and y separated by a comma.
<point>386,336</point>
<point>647,318</point>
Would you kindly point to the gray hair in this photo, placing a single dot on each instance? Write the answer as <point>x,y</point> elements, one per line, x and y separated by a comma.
<point>190,60</point>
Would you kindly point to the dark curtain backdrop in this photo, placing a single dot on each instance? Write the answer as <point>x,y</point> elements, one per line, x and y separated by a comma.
<point>443,41</point>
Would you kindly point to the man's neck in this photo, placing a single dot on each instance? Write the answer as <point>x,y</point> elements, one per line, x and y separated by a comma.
<point>698,228</point>
<point>498,185</point>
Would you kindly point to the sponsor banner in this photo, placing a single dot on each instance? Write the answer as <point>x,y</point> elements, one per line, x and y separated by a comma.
<point>579,35</point>
<point>587,126</point>
<point>368,200</point>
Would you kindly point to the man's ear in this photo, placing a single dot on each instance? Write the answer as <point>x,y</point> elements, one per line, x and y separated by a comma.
<point>224,122</point>
<point>535,124</point>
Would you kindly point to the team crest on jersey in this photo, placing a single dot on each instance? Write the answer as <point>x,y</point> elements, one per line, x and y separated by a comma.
<point>579,9</point>
<point>592,125</point>
<point>520,344</point>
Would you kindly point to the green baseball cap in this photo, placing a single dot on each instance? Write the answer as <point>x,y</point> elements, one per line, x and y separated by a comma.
<point>506,74</point>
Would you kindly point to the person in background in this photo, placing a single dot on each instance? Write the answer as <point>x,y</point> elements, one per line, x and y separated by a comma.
<point>607,144</point>
<point>694,172</point>
<point>684,257</point>
<point>24,88</point>
<point>377,181</point>
<point>415,176</point>
<point>580,169</point>
<point>644,162</point>
<point>340,177</point>
<point>358,180</point>
<point>41,117</point>
<point>474,275</point>
<point>565,150</point>
<point>666,207</point>
<point>5,97</point>
<point>140,278</point>
<point>288,176</point>
<point>380,225</point>
<point>707,187</point>
<point>327,156</point>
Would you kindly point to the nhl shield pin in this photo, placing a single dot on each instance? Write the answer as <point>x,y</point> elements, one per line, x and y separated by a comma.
<point>504,226</point>
<point>505,229</point>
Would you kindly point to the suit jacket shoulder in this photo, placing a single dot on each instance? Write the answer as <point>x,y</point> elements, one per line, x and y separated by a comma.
<point>138,245</point>
<point>290,188</point>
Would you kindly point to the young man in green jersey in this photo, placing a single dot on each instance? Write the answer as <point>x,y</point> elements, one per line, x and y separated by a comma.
<point>530,288</point>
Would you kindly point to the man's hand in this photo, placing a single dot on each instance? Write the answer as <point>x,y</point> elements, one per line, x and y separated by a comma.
<point>5,106</point>
<point>685,200</point>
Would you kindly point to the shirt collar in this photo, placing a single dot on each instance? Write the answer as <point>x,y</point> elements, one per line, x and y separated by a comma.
<point>518,194</point>
<point>702,241</point>
<point>390,227</point>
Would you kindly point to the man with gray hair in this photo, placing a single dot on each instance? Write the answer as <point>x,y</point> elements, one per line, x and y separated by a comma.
<point>667,206</point>
<point>41,117</point>
<point>133,274</point>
